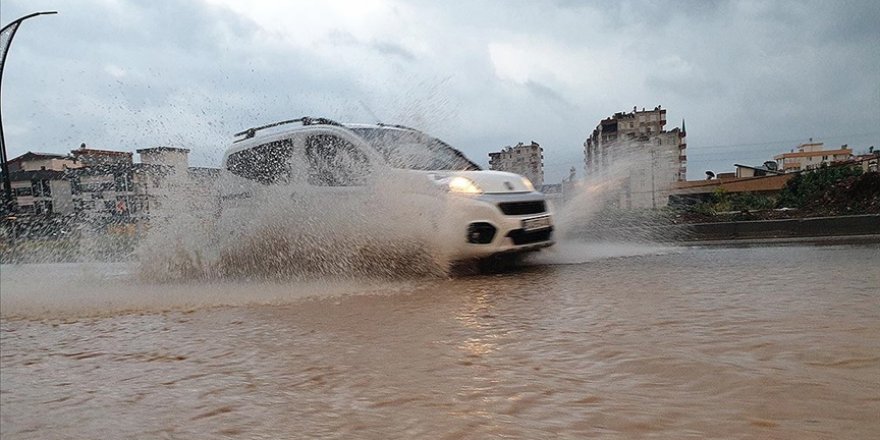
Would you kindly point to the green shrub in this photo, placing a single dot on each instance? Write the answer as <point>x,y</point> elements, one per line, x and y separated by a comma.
<point>808,186</point>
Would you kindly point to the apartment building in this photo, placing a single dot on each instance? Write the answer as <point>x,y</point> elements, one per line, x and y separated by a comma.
<point>809,156</point>
<point>636,152</point>
<point>523,159</point>
<point>38,182</point>
<point>103,184</point>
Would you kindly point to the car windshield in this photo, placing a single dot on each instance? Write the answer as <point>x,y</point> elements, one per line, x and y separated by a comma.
<point>410,149</point>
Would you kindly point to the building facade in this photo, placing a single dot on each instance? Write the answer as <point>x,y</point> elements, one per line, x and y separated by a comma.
<point>41,192</point>
<point>31,161</point>
<point>39,185</point>
<point>637,153</point>
<point>104,185</point>
<point>810,156</point>
<point>767,169</point>
<point>524,159</point>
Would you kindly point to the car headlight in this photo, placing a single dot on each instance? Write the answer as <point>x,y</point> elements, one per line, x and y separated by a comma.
<point>528,184</point>
<point>463,185</point>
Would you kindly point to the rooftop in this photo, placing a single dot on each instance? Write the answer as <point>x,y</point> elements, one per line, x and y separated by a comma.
<point>760,168</point>
<point>813,153</point>
<point>162,150</point>
<point>30,155</point>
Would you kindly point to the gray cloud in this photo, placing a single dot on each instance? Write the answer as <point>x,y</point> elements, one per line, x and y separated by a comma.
<point>744,74</point>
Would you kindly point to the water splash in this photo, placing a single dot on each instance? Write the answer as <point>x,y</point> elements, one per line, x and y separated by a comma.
<point>616,204</point>
<point>93,290</point>
<point>380,230</point>
<point>593,224</point>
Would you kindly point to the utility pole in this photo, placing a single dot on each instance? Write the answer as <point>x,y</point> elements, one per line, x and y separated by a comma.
<point>6,35</point>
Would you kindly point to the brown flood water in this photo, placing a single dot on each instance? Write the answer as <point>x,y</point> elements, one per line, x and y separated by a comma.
<point>763,342</point>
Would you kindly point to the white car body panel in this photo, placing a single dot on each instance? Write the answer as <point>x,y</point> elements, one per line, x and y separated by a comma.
<point>452,214</point>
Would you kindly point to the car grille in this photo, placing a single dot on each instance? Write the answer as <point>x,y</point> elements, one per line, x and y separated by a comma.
<point>520,236</point>
<point>523,208</point>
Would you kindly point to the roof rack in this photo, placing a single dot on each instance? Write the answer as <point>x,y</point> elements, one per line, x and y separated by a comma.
<point>404,127</point>
<point>305,120</point>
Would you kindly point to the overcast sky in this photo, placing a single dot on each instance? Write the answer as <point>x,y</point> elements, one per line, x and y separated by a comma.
<point>752,78</point>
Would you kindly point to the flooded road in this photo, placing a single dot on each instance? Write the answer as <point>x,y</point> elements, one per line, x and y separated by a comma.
<point>762,342</point>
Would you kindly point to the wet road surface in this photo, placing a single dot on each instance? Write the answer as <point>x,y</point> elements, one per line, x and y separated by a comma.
<point>759,342</point>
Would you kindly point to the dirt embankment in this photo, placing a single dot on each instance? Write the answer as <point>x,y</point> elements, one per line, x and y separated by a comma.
<point>853,195</point>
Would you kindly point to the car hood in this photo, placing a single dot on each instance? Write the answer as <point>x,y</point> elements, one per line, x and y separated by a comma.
<point>491,182</point>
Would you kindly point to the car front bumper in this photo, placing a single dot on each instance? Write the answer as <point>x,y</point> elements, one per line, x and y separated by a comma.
<point>509,235</point>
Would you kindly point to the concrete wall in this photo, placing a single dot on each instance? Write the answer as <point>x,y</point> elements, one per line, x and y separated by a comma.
<point>804,227</point>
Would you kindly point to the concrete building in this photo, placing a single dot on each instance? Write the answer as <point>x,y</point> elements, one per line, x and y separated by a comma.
<point>105,185</point>
<point>636,151</point>
<point>164,174</point>
<point>869,162</point>
<point>526,160</point>
<point>769,168</point>
<point>38,183</point>
<point>41,192</point>
<point>809,156</point>
<point>177,158</point>
<point>31,161</point>
<point>693,191</point>
<point>95,157</point>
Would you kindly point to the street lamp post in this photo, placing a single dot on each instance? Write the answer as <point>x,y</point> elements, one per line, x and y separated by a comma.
<point>6,35</point>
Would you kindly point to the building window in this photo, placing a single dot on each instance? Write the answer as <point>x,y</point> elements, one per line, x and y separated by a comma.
<point>25,191</point>
<point>123,183</point>
<point>43,207</point>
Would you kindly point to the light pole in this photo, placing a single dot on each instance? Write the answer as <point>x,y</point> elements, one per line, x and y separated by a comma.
<point>6,35</point>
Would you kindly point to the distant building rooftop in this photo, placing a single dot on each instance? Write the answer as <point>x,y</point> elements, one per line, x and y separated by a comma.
<point>813,153</point>
<point>30,155</point>
<point>90,156</point>
<point>162,150</point>
<point>761,168</point>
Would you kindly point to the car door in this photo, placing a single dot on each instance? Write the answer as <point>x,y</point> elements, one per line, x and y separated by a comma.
<point>335,163</point>
<point>338,173</point>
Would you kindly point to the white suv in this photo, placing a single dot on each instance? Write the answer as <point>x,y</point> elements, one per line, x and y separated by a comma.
<point>478,213</point>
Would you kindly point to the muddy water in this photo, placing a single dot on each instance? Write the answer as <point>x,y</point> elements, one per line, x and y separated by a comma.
<point>770,342</point>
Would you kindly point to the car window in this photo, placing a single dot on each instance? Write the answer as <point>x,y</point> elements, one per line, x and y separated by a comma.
<point>409,149</point>
<point>333,161</point>
<point>267,163</point>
